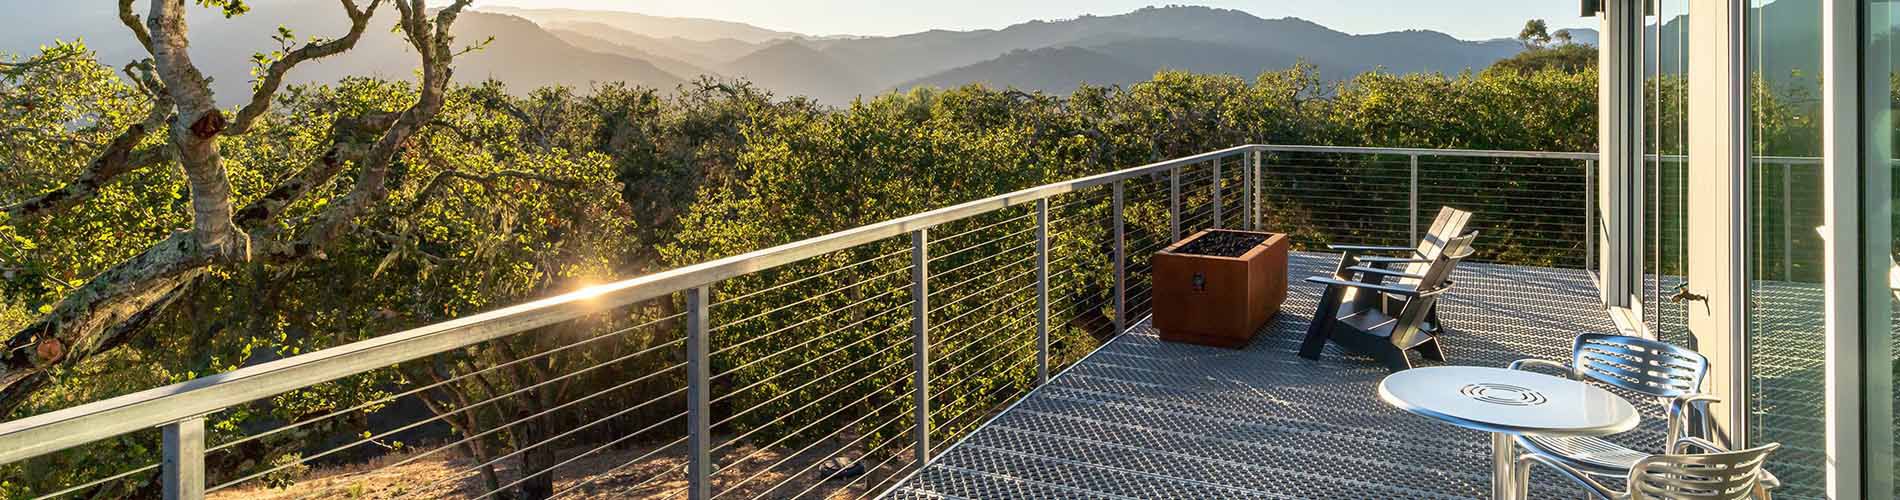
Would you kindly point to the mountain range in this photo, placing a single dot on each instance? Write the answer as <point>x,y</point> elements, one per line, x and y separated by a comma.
<point>537,47</point>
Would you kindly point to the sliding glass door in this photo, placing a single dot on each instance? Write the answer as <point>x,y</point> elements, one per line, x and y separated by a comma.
<point>1789,234</point>
<point>1879,92</point>
<point>1665,172</point>
<point>1783,344</point>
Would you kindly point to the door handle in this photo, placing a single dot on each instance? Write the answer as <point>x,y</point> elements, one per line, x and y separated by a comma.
<point>1683,294</point>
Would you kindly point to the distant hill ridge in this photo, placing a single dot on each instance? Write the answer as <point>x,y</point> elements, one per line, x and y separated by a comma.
<point>537,47</point>
<point>1055,55</point>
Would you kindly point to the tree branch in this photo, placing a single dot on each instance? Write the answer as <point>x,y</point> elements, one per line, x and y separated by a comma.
<point>435,47</point>
<point>132,22</point>
<point>102,314</point>
<point>119,157</point>
<point>195,132</point>
<point>273,77</point>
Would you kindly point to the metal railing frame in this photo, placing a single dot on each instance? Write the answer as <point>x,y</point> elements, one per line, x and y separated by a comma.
<point>180,409</point>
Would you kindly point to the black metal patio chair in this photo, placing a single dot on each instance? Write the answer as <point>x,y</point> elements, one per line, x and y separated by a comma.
<point>1386,320</point>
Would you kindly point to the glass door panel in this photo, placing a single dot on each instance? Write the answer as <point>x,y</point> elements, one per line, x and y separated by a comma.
<point>1665,86</point>
<point>1783,340</point>
<point>1880,94</point>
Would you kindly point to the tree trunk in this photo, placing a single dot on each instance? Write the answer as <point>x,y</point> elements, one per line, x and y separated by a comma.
<point>537,481</point>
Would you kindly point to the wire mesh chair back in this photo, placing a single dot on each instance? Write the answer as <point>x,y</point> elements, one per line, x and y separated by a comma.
<point>1450,223</point>
<point>1646,366</point>
<point>1702,476</point>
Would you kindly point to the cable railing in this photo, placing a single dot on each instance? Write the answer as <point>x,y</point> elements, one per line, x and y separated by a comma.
<point>832,366</point>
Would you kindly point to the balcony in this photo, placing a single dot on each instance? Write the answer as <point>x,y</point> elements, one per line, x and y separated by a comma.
<point>995,348</point>
<point>1145,419</point>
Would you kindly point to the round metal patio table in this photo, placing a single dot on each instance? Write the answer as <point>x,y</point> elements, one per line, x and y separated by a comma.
<point>1505,403</point>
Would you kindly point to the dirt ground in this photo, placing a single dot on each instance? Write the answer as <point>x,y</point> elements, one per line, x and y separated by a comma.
<point>602,475</point>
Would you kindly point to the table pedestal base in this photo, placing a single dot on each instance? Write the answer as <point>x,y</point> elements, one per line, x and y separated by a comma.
<point>1503,461</point>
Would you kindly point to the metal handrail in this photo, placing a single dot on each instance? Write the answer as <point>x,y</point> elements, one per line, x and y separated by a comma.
<point>188,402</point>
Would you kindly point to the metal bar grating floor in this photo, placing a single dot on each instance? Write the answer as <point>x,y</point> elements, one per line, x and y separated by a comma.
<point>1144,419</point>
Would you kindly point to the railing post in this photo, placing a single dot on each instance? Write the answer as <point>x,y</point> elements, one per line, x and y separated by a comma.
<point>1174,204</point>
<point>1787,218</point>
<point>1218,205</point>
<point>184,459</point>
<point>1042,291</point>
<point>920,341</point>
<point>1414,199</point>
<point>698,400</point>
<point>1259,201</point>
<point>1590,214</point>
<point>1246,191</point>
<point>1121,264</point>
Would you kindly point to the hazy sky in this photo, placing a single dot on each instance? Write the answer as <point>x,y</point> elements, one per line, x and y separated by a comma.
<point>1468,19</point>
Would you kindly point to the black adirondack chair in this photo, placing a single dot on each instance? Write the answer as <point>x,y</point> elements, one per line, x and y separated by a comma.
<point>1365,314</point>
<point>1373,264</point>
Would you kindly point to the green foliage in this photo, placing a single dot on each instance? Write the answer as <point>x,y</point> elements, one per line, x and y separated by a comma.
<point>1569,58</point>
<point>230,8</point>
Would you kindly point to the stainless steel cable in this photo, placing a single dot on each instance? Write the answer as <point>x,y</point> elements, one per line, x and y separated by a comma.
<point>609,472</point>
<point>823,315</point>
<point>980,245</point>
<point>973,231</point>
<point>1020,346</point>
<point>418,390</point>
<point>801,430</point>
<point>96,482</point>
<point>980,292</point>
<point>369,437</point>
<point>986,397</point>
<point>887,479</point>
<point>1012,312</point>
<point>935,275</point>
<point>808,383</point>
<point>986,305</point>
<point>539,414</point>
<point>847,447</point>
<point>550,469</point>
<point>808,341</point>
<point>807,299</point>
<point>811,277</point>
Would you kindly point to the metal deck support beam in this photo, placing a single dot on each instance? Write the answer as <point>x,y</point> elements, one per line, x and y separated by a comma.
<point>184,459</point>
<point>1042,291</point>
<point>1121,264</point>
<point>920,341</point>
<point>698,400</point>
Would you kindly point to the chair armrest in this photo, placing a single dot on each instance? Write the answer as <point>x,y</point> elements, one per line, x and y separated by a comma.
<point>1382,272</point>
<point>1523,476</point>
<point>1677,411</point>
<point>1369,248</point>
<point>1525,364</point>
<point>1373,259</point>
<point>1394,290</point>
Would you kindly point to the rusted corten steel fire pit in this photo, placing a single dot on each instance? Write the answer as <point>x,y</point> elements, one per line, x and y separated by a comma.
<point>1219,286</point>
